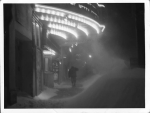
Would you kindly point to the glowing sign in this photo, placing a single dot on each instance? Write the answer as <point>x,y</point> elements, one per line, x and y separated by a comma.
<point>46,52</point>
<point>72,15</point>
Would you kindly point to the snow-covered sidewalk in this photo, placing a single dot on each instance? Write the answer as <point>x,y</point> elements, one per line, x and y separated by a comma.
<point>119,88</point>
<point>49,97</point>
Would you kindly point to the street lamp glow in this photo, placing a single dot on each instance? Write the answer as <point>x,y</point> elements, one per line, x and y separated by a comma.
<point>48,52</point>
<point>90,56</point>
<point>72,46</point>
<point>70,50</point>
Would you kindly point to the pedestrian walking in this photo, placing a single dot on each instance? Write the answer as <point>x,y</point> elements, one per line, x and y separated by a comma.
<point>72,75</point>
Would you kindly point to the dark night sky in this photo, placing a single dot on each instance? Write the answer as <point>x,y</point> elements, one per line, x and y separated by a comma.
<point>120,33</point>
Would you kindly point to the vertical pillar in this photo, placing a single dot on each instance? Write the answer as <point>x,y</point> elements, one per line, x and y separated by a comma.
<point>12,61</point>
<point>61,67</point>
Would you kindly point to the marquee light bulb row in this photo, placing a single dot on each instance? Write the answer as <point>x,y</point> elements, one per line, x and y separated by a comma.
<point>52,12</point>
<point>61,21</point>
<point>71,15</point>
<point>49,51</point>
<point>58,33</point>
<point>58,20</point>
<point>63,28</point>
<point>84,21</point>
<point>83,29</point>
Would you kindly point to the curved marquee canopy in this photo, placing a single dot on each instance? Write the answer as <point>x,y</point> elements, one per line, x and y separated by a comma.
<point>64,23</point>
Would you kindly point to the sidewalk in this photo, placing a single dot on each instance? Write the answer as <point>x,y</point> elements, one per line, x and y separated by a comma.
<point>57,96</point>
<point>49,97</point>
<point>66,90</point>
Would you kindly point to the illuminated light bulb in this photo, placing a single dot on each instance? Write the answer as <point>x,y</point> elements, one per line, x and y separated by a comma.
<point>42,17</point>
<point>68,23</point>
<point>73,17</point>
<point>56,26</point>
<point>54,31</point>
<point>83,20</point>
<point>80,19</point>
<point>50,52</point>
<point>71,24</point>
<point>37,9</point>
<point>55,20</point>
<point>74,24</point>
<point>59,20</point>
<point>90,56</point>
<point>53,12</point>
<point>51,31</point>
<point>52,19</point>
<point>47,18</point>
<point>48,11</point>
<point>62,14</point>
<point>76,18</point>
<point>57,13</point>
<point>50,25</point>
<point>59,27</point>
<point>71,13</point>
<point>64,28</point>
<point>63,21</point>
<point>43,11</point>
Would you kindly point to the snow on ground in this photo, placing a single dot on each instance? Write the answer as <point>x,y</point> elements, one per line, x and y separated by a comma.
<point>118,88</point>
<point>62,85</point>
<point>46,94</point>
<point>121,88</point>
<point>89,81</point>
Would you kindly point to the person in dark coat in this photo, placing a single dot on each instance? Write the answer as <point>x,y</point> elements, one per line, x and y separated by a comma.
<point>72,75</point>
